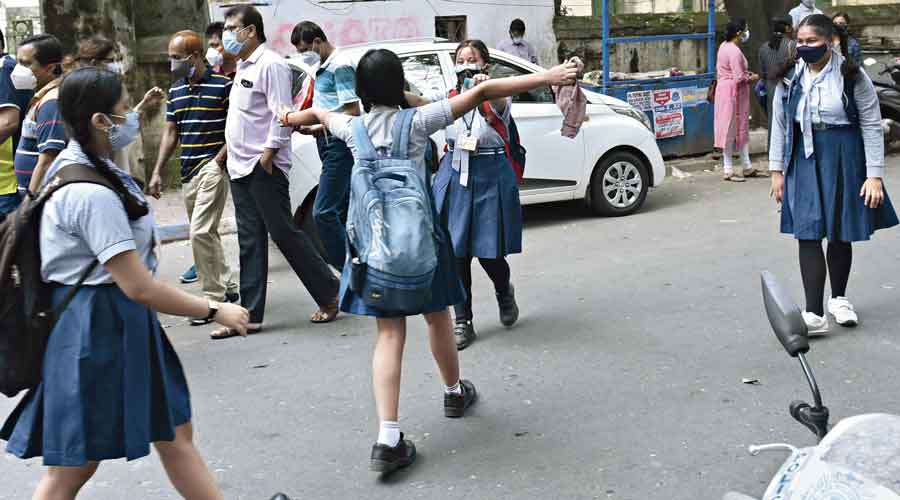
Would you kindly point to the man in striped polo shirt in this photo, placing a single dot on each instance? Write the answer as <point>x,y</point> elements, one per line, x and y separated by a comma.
<point>195,118</point>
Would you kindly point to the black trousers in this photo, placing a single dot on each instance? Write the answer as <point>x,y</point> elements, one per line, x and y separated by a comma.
<point>262,208</point>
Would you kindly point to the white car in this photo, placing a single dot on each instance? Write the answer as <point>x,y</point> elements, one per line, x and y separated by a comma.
<point>611,164</point>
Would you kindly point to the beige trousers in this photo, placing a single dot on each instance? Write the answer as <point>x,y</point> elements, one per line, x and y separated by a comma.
<point>204,198</point>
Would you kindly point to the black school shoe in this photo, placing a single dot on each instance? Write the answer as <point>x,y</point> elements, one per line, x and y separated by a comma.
<point>386,459</point>
<point>509,310</point>
<point>455,405</point>
<point>464,333</point>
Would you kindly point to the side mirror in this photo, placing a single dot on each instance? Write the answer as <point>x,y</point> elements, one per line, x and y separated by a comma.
<point>870,62</point>
<point>784,316</point>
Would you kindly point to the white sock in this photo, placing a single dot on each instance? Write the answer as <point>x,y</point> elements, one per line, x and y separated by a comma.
<point>453,389</point>
<point>745,157</point>
<point>389,434</point>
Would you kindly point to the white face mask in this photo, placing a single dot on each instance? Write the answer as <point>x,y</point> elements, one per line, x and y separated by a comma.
<point>214,57</point>
<point>809,4</point>
<point>310,58</point>
<point>745,37</point>
<point>116,67</point>
<point>23,78</point>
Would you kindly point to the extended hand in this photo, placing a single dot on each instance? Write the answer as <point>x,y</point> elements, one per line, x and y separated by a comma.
<point>233,316</point>
<point>873,192</point>
<point>564,74</point>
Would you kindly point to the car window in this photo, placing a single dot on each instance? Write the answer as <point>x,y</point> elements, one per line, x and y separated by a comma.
<point>424,75</point>
<point>503,69</point>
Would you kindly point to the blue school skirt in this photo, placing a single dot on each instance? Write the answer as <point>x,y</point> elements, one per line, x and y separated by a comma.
<point>112,384</point>
<point>446,289</point>
<point>485,218</point>
<point>821,193</point>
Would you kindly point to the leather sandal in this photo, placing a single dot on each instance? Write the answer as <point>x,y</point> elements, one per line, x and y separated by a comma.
<point>325,314</point>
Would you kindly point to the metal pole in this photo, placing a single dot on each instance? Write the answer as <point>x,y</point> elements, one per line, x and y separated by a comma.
<point>711,43</point>
<point>605,15</point>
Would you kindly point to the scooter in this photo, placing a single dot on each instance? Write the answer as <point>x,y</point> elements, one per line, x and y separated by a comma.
<point>858,459</point>
<point>889,99</point>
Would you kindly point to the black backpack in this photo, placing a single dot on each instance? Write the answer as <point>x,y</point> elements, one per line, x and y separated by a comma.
<point>26,314</point>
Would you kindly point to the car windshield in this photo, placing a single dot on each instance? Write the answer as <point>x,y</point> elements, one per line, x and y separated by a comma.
<point>869,446</point>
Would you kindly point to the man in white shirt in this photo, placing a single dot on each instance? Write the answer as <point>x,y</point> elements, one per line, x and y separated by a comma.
<point>259,160</point>
<point>802,11</point>
<point>516,44</point>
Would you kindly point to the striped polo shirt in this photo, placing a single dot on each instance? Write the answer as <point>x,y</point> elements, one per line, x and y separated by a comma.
<point>199,111</point>
<point>335,83</point>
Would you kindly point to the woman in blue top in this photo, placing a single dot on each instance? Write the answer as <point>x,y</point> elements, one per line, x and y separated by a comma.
<point>827,159</point>
<point>112,383</point>
<point>379,83</point>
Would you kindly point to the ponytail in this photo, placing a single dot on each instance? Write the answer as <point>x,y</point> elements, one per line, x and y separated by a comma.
<point>849,69</point>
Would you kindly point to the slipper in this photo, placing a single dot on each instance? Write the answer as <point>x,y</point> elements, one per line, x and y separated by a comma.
<point>325,314</point>
<point>227,333</point>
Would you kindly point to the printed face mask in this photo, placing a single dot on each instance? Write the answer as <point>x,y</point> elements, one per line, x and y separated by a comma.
<point>812,55</point>
<point>23,78</point>
<point>464,71</point>
<point>214,57</point>
<point>121,136</point>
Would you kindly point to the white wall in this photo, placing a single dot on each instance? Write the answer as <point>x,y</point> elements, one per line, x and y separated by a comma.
<point>346,24</point>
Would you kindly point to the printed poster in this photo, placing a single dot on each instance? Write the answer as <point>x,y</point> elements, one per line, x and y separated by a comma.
<point>642,100</point>
<point>668,113</point>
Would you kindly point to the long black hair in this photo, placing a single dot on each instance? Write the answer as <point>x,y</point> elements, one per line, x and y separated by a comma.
<point>380,80</point>
<point>780,26</point>
<point>83,93</point>
<point>734,28</point>
<point>825,28</point>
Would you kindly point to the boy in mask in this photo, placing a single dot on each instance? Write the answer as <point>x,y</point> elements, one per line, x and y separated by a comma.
<point>13,104</point>
<point>43,135</point>
<point>195,117</point>
<point>802,11</point>
<point>516,44</point>
<point>222,62</point>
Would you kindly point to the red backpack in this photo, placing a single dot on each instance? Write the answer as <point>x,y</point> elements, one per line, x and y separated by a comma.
<point>514,150</point>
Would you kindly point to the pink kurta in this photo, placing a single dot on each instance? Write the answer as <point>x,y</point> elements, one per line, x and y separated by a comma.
<point>732,96</point>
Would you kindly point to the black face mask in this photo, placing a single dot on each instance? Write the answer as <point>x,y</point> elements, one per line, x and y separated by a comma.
<point>812,55</point>
<point>842,29</point>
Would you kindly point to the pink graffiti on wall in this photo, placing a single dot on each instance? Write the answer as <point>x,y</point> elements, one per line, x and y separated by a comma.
<point>354,30</point>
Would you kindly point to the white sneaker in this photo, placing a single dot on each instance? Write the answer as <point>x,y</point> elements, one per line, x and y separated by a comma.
<point>815,325</point>
<point>843,312</point>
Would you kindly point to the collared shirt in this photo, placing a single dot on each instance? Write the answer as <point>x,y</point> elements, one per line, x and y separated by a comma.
<point>522,50</point>
<point>801,12</point>
<point>335,83</point>
<point>822,99</point>
<point>42,131</point>
<point>261,89</point>
<point>199,111</point>
<point>84,222</point>
<point>10,97</point>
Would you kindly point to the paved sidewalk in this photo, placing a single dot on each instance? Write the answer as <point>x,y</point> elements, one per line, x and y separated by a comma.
<point>172,221</point>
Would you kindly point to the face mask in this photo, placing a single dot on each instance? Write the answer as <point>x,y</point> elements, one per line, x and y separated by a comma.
<point>230,42</point>
<point>115,67</point>
<point>23,78</point>
<point>182,68</point>
<point>310,58</point>
<point>809,4</point>
<point>517,40</point>
<point>745,36</point>
<point>812,55</point>
<point>121,136</point>
<point>214,57</point>
<point>841,29</point>
<point>468,70</point>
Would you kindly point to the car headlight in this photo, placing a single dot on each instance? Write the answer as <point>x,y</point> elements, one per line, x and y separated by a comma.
<point>634,113</point>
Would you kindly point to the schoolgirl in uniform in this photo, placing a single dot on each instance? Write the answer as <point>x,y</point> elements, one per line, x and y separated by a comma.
<point>380,85</point>
<point>827,159</point>
<point>112,383</point>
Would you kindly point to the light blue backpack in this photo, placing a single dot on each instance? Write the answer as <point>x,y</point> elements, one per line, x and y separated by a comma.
<point>390,223</point>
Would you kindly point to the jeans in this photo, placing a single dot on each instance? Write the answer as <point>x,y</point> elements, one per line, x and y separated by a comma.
<point>262,208</point>
<point>9,203</point>
<point>333,197</point>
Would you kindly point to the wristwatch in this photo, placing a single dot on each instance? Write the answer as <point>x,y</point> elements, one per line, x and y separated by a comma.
<point>213,310</point>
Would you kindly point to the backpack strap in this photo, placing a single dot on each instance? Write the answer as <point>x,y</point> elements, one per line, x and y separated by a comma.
<point>401,132</point>
<point>72,174</point>
<point>364,147</point>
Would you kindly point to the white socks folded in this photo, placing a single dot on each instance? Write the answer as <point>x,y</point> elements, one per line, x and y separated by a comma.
<point>389,432</point>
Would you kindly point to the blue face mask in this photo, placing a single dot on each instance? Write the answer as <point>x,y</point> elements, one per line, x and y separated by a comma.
<point>122,135</point>
<point>812,55</point>
<point>230,42</point>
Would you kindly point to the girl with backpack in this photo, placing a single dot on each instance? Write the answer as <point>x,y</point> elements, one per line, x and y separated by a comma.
<point>112,383</point>
<point>827,163</point>
<point>477,193</point>
<point>380,85</point>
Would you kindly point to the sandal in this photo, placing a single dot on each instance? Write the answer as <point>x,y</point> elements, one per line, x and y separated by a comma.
<point>325,314</point>
<point>227,333</point>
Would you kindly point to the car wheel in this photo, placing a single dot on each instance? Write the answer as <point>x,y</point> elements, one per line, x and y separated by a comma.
<point>304,221</point>
<point>619,184</point>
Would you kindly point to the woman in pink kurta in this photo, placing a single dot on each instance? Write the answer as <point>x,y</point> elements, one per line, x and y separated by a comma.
<point>732,119</point>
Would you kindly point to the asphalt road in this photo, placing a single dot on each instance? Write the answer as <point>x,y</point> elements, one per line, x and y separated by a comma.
<point>623,379</point>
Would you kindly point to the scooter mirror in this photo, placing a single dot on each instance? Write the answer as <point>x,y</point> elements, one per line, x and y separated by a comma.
<point>870,62</point>
<point>784,316</point>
